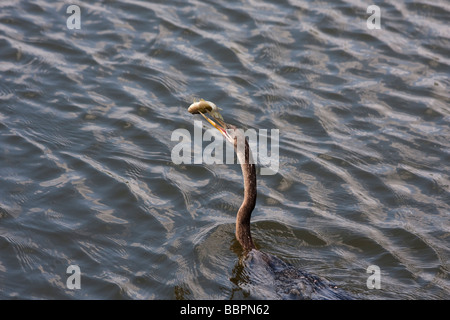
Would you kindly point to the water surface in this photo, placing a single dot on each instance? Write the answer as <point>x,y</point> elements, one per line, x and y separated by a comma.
<point>86,117</point>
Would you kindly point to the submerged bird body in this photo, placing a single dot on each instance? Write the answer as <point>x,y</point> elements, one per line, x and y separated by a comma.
<point>275,279</point>
<point>288,282</point>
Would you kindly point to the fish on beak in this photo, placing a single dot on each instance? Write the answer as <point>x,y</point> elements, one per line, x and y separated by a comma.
<point>207,107</point>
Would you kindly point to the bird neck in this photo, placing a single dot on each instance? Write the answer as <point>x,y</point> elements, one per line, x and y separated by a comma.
<point>245,211</point>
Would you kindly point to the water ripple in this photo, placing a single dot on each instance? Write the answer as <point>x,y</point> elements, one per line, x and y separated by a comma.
<point>86,173</point>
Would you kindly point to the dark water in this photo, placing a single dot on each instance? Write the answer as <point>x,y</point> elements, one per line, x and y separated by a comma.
<point>86,117</point>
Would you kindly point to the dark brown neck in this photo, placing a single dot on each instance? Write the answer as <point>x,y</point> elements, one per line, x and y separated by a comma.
<point>245,211</point>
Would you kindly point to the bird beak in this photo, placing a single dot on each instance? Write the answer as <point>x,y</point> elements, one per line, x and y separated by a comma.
<point>222,127</point>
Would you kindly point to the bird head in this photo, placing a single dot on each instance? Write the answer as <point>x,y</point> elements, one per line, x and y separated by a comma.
<point>207,108</point>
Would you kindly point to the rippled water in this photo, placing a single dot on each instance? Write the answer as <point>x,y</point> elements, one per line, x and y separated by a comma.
<point>86,118</point>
